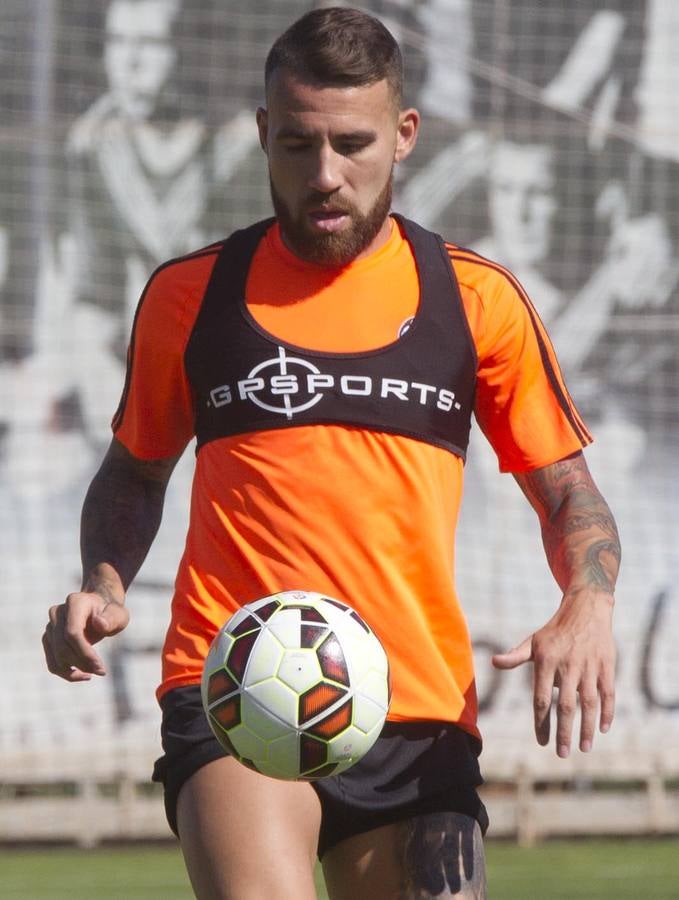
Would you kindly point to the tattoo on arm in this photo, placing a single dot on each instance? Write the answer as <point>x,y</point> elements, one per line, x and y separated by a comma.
<point>121,515</point>
<point>578,528</point>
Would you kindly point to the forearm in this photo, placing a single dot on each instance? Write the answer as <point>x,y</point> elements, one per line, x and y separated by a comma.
<point>120,519</point>
<point>578,529</point>
<point>574,651</point>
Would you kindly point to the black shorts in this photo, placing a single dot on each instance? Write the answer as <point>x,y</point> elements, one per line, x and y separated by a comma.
<point>413,768</point>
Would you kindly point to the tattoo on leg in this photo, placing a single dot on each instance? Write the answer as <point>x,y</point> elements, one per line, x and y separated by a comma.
<point>442,857</point>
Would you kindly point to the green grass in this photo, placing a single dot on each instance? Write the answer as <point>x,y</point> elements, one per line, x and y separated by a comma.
<point>590,870</point>
<point>586,870</point>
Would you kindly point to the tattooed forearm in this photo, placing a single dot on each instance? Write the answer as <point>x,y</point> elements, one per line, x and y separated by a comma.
<point>121,516</point>
<point>599,575</point>
<point>579,531</point>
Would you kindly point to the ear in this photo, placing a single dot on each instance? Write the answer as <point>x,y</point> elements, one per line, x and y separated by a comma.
<point>262,127</point>
<point>406,135</point>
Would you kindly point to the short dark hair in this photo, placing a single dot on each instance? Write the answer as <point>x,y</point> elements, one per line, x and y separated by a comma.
<point>338,47</point>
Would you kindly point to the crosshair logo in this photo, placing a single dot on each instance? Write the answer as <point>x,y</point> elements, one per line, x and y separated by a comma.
<point>283,384</point>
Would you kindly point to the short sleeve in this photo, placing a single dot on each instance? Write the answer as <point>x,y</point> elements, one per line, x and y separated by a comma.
<point>522,403</point>
<point>155,417</point>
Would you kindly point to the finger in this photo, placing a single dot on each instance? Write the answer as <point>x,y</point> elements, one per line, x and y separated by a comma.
<point>607,698</point>
<point>111,620</point>
<point>74,622</point>
<point>61,653</point>
<point>543,692</point>
<point>69,644</point>
<point>65,671</point>
<point>566,708</point>
<point>75,674</point>
<point>519,655</point>
<point>50,659</point>
<point>589,704</point>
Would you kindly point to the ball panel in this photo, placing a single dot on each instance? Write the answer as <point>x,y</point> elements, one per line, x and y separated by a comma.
<point>220,683</point>
<point>300,670</point>
<point>349,746</point>
<point>224,740</point>
<point>248,744</point>
<point>308,613</point>
<point>374,687</point>
<point>239,654</point>
<point>332,661</point>
<point>260,720</point>
<point>334,723</point>
<point>265,611</point>
<point>261,607</point>
<point>227,713</point>
<point>367,713</point>
<point>312,753</point>
<point>318,700</point>
<point>322,772</point>
<point>264,659</point>
<point>312,634</point>
<point>219,650</point>
<point>278,698</point>
<point>333,602</point>
<point>285,625</point>
<point>283,760</point>
<point>249,623</point>
<point>355,616</point>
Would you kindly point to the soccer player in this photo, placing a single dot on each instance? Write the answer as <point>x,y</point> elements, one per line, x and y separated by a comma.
<point>329,362</point>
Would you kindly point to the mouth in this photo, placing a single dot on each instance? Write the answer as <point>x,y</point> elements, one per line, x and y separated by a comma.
<point>327,219</point>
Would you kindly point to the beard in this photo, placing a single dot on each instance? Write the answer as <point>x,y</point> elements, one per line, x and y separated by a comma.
<point>337,248</point>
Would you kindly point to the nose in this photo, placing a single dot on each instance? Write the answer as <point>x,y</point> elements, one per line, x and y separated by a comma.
<point>326,173</point>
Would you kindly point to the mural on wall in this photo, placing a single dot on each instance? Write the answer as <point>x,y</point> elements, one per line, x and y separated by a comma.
<point>549,143</point>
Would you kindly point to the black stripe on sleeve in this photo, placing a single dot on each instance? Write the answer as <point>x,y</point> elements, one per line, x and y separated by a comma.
<point>572,416</point>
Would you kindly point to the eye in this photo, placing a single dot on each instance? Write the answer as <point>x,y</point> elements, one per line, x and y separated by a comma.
<point>296,146</point>
<point>351,148</point>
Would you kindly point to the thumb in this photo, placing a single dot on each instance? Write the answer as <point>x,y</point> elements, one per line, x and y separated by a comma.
<point>521,654</point>
<point>109,620</point>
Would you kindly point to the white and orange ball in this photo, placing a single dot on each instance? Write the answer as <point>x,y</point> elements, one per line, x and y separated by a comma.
<point>296,685</point>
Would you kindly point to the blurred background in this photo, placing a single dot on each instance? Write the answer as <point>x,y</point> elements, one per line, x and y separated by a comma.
<point>550,142</point>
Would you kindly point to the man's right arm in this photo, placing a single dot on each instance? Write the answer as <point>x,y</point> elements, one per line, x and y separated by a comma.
<point>120,519</point>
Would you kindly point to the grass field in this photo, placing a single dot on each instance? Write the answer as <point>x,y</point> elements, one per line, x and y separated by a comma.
<point>591,870</point>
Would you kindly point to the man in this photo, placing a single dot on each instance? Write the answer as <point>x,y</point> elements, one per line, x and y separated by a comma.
<point>332,417</point>
<point>142,178</point>
<point>522,204</point>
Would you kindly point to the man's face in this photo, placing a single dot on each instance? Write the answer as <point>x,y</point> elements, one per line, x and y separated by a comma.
<point>139,55</point>
<point>522,203</point>
<point>331,153</point>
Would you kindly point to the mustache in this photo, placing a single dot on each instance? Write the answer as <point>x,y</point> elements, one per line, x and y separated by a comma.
<point>323,201</point>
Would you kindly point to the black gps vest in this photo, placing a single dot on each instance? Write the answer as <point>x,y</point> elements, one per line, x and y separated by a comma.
<point>244,379</point>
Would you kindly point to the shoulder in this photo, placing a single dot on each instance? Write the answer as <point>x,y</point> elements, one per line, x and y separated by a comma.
<point>86,131</point>
<point>194,267</point>
<point>176,288</point>
<point>493,297</point>
<point>481,274</point>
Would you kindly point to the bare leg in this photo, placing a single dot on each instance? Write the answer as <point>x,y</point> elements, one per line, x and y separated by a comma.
<point>248,837</point>
<point>438,855</point>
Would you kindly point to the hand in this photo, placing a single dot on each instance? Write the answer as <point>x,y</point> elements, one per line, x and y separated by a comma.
<point>639,246</point>
<point>74,626</point>
<point>574,653</point>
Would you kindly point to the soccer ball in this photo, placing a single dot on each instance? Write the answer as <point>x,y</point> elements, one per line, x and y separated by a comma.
<point>296,686</point>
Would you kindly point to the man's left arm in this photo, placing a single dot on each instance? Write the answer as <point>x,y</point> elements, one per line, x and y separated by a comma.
<point>574,651</point>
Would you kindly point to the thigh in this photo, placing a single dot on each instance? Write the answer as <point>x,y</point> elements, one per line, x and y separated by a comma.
<point>434,855</point>
<point>245,836</point>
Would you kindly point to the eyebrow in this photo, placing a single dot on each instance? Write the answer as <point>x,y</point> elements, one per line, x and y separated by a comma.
<point>291,133</point>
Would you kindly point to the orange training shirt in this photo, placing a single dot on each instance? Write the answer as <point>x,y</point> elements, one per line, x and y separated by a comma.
<point>364,516</point>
